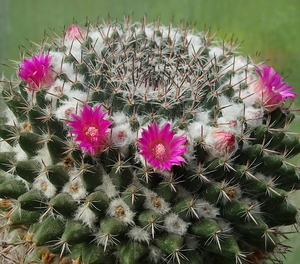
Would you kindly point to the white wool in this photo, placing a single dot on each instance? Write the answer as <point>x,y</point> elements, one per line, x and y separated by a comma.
<point>156,203</point>
<point>203,117</point>
<point>74,49</point>
<point>254,116</point>
<point>176,36</point>
<point>11,118</point>
<point>108,187</point>
<point>254,207</point>
<point>77,54</point>
<point>56,61</point>
<point>197,131</point>
<point>182,193</point>
<point>224,225</point>
<point>165,174</point>
<point>141,119</point>
<point>120,118</point>
<point>215,52</point>
<point>98,42</point>
<point>230,119</point>
<point>86,215</point>
<point>235,63</point>
<point>240,63</point>
<point>19,251</point>
<point>248,96</point>
<point>75,187</point>
<point>106,239</point>
<point>224,102</point>
<point>189,154</point>
<point>139,234</point>
<point>156,254</point>
<point>122,136</point>
<point>233,112</point>
<point>205,209</point>
<point>263,177</point>
<point>141,129</point>
<point>118,204</point>
<point>143,161</point>
<point>195,44</point>
<point>43,184</point>
<point>20,153</point>
<point>173,34</point>
<point>57,89</point>
<point>72,44</point>
<point>150,33</point>
<point>242,77</point>
<point>78,96</point>
<point>66,109</point>
<point>174,224</point>
<point>191,242</point>
<point>43,155</point>
<point>229,124</point>
<point>73,77</point>
<point>11,176</point>
<point>5,147</point>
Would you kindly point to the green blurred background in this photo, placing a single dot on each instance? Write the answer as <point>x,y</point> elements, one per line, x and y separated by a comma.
<point>270,28</point>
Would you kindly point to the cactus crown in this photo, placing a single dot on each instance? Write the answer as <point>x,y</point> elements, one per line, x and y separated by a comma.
<point>140,143</point>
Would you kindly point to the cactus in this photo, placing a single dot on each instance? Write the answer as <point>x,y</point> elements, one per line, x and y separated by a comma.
<point>139,143</point>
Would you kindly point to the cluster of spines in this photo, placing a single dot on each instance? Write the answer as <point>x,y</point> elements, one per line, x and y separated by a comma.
<point>208,200</point>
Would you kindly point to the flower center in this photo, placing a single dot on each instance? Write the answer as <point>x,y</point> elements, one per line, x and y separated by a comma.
<point>92,134</point>
<point>159,152</point>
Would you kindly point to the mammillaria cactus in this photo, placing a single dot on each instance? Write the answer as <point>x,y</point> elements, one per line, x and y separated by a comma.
<point>139,143</point>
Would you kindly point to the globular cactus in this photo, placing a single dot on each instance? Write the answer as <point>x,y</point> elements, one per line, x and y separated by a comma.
<point>139,143</point>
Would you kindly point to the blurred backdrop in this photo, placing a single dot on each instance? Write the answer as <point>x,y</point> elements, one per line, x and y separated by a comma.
<point>269,30</point>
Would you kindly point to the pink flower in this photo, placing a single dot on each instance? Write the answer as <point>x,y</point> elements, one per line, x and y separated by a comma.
<point>36,71</point>
<point>161,147</point>
<point>223,142</point>
<point>75,32</point>
<point>91,128</point>
<point>270,88</point>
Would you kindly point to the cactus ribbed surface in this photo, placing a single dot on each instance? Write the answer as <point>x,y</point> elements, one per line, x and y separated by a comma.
<point>140,143</point>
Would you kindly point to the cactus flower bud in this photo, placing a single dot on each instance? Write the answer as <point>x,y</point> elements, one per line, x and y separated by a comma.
<point>221,143</point>
<point>75,32</point>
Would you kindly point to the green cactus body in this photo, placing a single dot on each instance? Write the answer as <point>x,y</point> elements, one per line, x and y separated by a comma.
<point>140,143</point>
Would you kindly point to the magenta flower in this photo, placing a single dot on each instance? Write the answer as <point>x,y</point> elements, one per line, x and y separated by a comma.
<point>161,147</point>
<point>270,88</point>
<point>75,32</point>
<point>91,128</point>
<point>36,71</point>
